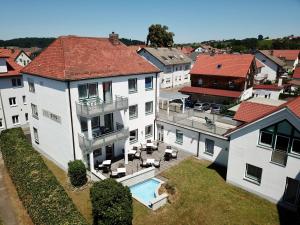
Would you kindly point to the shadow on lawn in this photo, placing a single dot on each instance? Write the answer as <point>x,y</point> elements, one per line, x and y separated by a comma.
<point>221,170</point>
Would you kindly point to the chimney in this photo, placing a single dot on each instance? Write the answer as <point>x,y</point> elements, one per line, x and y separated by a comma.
<point>271,52</point>
<point>114,38</point>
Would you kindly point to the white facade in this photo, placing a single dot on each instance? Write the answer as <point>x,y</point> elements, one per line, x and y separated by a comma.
<point>245,148</point>
<point>171,75</point>
<point>194,142</point>
<point>22,59</point>
<point>55,139</point>
<point>13,103</point>
<point>269,94</point>
<point>269,71</point>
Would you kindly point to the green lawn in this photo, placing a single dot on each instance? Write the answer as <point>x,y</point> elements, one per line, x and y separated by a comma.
<point>203,197</point>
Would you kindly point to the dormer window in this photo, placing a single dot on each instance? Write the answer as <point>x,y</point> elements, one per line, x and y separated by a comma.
<point>219,66</point>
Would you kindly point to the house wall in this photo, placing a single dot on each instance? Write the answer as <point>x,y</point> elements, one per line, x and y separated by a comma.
<point>194,144</point>
<point>23,59</point>
<point>273,179</point>
<point>267,93</point>
<point>7,111</point>
<point>270,68</point>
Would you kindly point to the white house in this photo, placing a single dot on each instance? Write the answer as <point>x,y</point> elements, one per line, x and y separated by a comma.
<point>270,91</point>
<point>264,155</point>
<point>174,65</point>
<point>272,67</point>
<point>13,102</point>
<point>91,99</point>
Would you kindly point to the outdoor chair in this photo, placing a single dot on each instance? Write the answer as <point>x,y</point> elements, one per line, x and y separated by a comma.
<point>149,150</point>
<point>143,163</point>
<point>174,154</point>
<point>114,174</point>
<point>168,147</point>
<point>106,169</point>
<point>167,157</point>
<point>156,163</point>
<point>143,147</point>
<point>138,154</point>
<point>208,121</point>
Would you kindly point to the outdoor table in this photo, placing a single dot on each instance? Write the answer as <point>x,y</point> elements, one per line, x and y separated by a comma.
<point>107,162</point>
<point>121,170</point>
<point>150,161</point>
<point>131,152</point>
<point>168,151</point>
<point>149,145</point>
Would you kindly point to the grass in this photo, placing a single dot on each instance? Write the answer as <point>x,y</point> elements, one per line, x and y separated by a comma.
<point>203,198</point>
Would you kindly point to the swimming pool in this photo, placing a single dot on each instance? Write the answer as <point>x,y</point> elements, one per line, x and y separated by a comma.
<point>145,191</point>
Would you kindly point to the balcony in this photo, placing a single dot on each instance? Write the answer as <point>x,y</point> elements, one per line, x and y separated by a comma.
<point>102,140</point>
<point>279,157</point>
<point>94,107</point>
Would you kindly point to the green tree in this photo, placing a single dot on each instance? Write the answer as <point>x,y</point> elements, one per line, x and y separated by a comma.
<point>112,203</point>
<point>260,37</point>
<point>159,36</point>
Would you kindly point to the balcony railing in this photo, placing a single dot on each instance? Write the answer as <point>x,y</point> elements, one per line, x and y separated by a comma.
<point>93,107</point>
<point>279,157</point>
<point>103,140</point>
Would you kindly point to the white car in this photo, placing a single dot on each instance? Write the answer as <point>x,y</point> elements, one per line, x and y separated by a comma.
<point>202,106</point>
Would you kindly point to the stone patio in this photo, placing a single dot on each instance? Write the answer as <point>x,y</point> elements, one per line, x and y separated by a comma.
<point>134,165</point>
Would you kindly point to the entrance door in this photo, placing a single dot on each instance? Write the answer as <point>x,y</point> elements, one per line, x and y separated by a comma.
<point>292,191</point>
<point>109,150</point>
<point>161,133</point>
<point>109,122</point>
<point>107,92</point>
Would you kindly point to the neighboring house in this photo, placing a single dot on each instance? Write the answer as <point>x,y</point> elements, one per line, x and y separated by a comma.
<point>221,78</point>
<point>19,56</point>
<point>174,65</point>
<point>269,90</point>
<point>187,50</point>
<point>136,47</point>
<point>264,156</point>
<point>13,102</point>
<point>92,99</point>
<point>295,82</point>
<point>272,68</point>
<point>290,57</point>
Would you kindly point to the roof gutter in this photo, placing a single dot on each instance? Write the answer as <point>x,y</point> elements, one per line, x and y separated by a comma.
<point>71,118</point>
<point>5,122</point>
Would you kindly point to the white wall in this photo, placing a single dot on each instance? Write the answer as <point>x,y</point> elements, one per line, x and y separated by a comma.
<point>7,111</point>
<point>261,93</point>
<point>270,68</point>
<point>244,148</point>
<point>23,59</point>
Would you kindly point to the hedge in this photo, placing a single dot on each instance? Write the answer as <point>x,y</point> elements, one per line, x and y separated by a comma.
<point>111,202</point>
<point>44,198</point>
<point>77,173</point>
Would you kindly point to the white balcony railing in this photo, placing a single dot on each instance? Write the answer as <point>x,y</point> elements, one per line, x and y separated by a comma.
<point>93,107</point>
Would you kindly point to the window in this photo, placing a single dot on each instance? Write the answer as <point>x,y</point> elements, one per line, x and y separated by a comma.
<point>34,109</point>
<point>186,76</point>
<point>149,83</point>
<point>52,116</point>
<point>148,131</point>
<point>133,136</point>
<point>83,124</point>
<point>16,82</point>
<point>12,101</point>
<point>209,146</point>
<point>15,119</point>
<point>98,152</point>
<point>1,123</point>
<point>88,90</point>
<point>149,108</point>
<point>200,81</point>
<point>132,85</point>
<point>96,122</point>
<point>296,146</point>
<point>133,111</point>
<point>24,99</point>
<point>168,69</point>
<point>266,138</point>
<point>26,116</point>
<point>253,173</point>
<point>168,80</point>
<point>179,137</point>
<point>187,67</point>
<point>31,86</point>
<point>36,135</point>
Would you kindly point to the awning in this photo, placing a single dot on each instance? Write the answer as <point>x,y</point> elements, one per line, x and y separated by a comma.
<point>211,91</point>
<point>170,96</point>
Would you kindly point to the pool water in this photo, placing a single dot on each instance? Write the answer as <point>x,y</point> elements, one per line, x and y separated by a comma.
<point>145,191</point>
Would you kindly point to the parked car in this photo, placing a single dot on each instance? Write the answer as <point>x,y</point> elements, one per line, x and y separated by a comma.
<point>201,106</point>
<point>216,108</point>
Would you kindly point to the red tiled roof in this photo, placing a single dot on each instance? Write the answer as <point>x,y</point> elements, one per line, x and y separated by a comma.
<point>186,50</point>
<point>258,64</point>
<point>296,74</point>
<point>13,68</point>
<point>211,91</point>
<point>11,53</point>
<point>273,87</point>
<point>287,54</point>
<point>76,58</point>
<point>249,111</point>
<point>230,65</point>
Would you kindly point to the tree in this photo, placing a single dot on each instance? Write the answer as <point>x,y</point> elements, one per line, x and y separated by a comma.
<point>260,37</point>
<point>159,36</point>
<point>111,202</point>
<point>77,173</point>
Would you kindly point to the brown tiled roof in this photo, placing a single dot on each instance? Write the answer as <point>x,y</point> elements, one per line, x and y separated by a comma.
<point>211,91</point>
<point>227,65</point>
<point>258,64</point>
<point>287,54</point>
<point>11,53</point>
<point>13,69</point>
<point>273,87</point>
<point>273,58</point>
<point>76,58</point>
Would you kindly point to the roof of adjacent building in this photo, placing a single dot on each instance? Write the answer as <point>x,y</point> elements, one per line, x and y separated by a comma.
<point>13,69</point>
<point>229,65</point>
<point>258,63</point>
<point>77,58</point>
<point>211,91</point>
<point>9,53</point>
<point>272,57</point>
<point>296,74</point>
<point>249,111</point>
<point>186,50</point>
<point>271,87</point>
<point>168,56</point>
<point>287,54</point>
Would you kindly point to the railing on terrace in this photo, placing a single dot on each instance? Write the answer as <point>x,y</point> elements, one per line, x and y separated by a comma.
<point>189,118</point>
<point>103,140</point>
<point>279,157</point>
<point>92,107</point>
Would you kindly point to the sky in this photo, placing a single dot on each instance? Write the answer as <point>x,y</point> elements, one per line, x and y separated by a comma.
<point>190,20</point>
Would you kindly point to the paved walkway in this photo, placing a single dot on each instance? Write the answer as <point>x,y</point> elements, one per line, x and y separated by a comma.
<point>7,212</point>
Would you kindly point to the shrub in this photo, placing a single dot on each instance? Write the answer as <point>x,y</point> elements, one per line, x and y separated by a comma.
<point>77,173</point>
<point>170,187</point>
<point>44,198</point>
<point>112,203</point>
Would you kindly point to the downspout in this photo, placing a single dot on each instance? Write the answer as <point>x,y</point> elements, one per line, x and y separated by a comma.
<point>71,117</point>
<point>198,144</point>
<point>5,127</point>
<point>155,106</point>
